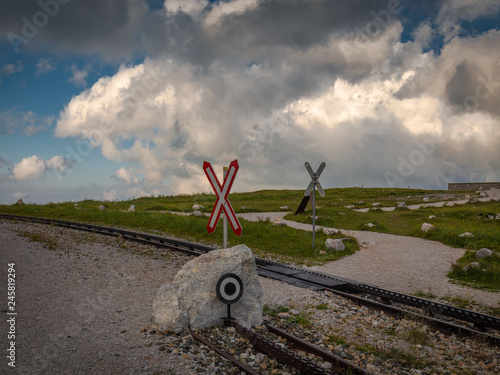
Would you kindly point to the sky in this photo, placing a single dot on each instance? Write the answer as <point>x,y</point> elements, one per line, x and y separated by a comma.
<point>117,99</point>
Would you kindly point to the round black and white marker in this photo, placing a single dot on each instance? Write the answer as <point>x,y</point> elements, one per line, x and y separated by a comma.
<point>229,288</point>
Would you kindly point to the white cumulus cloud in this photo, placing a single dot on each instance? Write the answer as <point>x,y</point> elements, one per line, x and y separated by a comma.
<point>35,167</point>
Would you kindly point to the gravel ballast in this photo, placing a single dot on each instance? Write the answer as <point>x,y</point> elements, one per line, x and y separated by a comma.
<point>84,306</point>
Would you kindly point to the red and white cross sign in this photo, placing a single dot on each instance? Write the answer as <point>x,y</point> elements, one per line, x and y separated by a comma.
<point>222,192</point>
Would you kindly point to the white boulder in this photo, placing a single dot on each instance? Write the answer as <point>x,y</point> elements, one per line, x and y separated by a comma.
<point>330,231</point>
<point>190,300</point>
<point>484,253</point>
<point>426,227</point>
<point>334,244</point>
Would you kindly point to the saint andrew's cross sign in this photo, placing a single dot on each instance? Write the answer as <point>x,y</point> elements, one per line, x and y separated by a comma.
<point>222,192</point>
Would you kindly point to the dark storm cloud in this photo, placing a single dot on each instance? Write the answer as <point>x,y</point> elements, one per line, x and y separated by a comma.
<point>107,27</point>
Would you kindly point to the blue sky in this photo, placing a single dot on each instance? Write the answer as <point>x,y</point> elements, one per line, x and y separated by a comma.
<point>119,99</point>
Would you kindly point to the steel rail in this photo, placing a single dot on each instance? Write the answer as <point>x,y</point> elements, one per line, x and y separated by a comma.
<point>339,364</point>
<point>481,321</point>
<point>150,239</point>
<point>437,324</point>
<point>309,278</point>
<point>224,354</point>
<point>282,354</point>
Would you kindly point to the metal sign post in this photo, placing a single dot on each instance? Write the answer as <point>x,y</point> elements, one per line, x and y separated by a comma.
<point>224,217</point>
<point>313,185</point>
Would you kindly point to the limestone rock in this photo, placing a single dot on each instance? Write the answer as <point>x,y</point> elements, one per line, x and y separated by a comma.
<point>483,253</point>
<point>402,205</point>
<point>197,213</point>
<point>432,217</point>
<point>334,244</point>
<point>330,231</point>
<point>426,199</point>
<point>450,204</point>
<point>350,207</point>
<point>376,204</point>
<point>370,225</point>
<point>198,207</point>
<point>131,208</point>
<point>101,208</point>
<point>426,227</point>
<point>190,300</point>
<point>473,265</point>
<point>284,208</point>
<point>466,235</point>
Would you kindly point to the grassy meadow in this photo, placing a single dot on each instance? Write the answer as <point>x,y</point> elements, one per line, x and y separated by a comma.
<point>290,245</point>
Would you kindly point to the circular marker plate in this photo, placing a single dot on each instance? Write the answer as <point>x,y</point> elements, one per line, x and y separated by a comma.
<point>229,288</point>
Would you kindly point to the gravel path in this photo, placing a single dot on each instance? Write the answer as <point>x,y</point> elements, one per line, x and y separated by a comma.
<point>399,263</point>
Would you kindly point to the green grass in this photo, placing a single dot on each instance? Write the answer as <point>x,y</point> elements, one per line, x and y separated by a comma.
<point>291,245</point>
<point>265,240</point>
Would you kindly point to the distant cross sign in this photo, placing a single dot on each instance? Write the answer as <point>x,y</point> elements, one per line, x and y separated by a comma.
<point>313,185</point>
<point>222,192</point>
<point>314,179</point>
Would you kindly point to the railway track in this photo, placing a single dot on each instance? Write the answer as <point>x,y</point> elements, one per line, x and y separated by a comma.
<point>285,354</point>
<point>449,319</point>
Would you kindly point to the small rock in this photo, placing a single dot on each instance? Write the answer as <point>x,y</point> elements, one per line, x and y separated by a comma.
<point>483,253</point>
<point>360,202</point>
<point>426,199</point>
<point>368,243</point>
<point>322,252</point>
<point>20,202</point>
<point>334,244</point>
<point>101,207</point>
<point>467,196</point>
<point>432,217</point>
<point>426,227</point>
<point>326,365</point>
<point>402,205</point>
<point>450,204</point>
<point>284,208</point>
<point>371,225</point>
<point>198,207</point>
<point>466,235</point>
<point>278,223</point>
<point>473,265</point>
<point>131,208</point>
<point>341,213</point>
<point>483,194</point>
<point>197,213</point>
<point>330,231</point>
<point>376,204</point>
<point>349,207</point>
